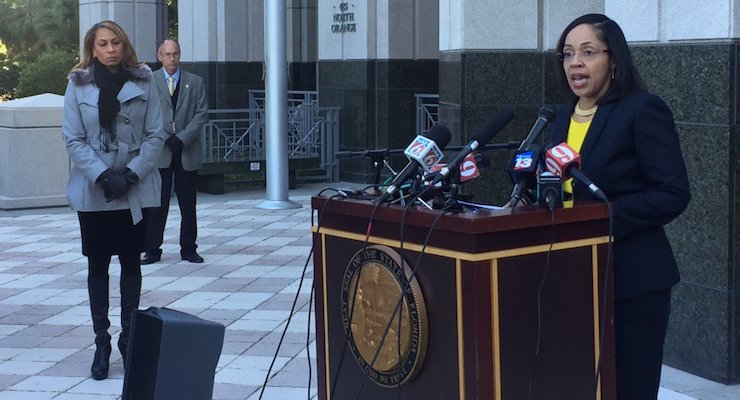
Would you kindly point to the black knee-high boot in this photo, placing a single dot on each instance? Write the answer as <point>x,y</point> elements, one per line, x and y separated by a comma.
<point>130,294</point>
<point>97,289</point>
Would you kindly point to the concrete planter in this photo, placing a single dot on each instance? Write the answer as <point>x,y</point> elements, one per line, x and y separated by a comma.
<point>34,165</point>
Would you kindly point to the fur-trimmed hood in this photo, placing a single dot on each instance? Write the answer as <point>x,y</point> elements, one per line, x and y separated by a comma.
<point>84,76</point>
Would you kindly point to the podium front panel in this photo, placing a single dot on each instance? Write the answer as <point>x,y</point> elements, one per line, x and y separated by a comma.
<point>503,320</point>
<point>434,379</point>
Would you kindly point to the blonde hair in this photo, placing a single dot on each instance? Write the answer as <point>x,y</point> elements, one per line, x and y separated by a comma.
<point>129,54</point>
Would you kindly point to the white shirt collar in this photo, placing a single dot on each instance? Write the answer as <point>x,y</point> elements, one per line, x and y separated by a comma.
<point>176,75</point>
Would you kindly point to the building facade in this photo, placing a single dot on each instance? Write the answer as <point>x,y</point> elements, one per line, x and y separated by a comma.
<point>371,57</point>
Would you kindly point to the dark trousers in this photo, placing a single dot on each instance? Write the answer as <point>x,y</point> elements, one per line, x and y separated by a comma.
<point>186,185</point>
<point>640,327</point>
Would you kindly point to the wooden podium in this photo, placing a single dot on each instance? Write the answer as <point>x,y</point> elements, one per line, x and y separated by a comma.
<point>513,299</point>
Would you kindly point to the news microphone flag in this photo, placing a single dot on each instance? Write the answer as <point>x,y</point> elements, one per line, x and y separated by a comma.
<point>424,151</point>
<point>420,152</point>
<point>562,157</point>
<point>525,160</point>
<point>564,161</point>
<point>468,168</point>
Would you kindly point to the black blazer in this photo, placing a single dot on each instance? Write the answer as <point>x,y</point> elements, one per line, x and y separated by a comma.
<point>633,154</point>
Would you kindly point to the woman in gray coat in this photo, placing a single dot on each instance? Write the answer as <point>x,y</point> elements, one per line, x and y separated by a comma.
<point>113,130</point>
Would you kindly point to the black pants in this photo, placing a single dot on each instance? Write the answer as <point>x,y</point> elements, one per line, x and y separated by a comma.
<point>640,327</point>
<point>186,185</point>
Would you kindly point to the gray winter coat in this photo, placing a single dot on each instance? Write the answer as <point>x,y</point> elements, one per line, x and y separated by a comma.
<point>139,140</point>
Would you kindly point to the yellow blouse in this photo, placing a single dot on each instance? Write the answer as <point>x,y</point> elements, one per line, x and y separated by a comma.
<point>576,135</point>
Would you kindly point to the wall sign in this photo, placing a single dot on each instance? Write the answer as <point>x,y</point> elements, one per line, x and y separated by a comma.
<point>344,20</point>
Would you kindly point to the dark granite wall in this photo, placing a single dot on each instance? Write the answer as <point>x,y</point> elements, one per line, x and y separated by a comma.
<point>474,86</point>
<point>700,82</point>
<point>378,105</point>
<point>229,82</point>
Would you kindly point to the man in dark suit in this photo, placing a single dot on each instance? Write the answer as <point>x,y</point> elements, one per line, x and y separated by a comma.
<point>184,110</point>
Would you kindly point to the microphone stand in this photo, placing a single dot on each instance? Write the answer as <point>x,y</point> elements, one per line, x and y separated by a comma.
<point>377,159</point>
<point>451,203</point>
<point>377,162</point>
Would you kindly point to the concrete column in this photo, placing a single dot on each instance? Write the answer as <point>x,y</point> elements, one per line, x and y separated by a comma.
<point>223,41</point>
<point>34,165</point>
<point>374,56</point>
<point>145,21</point>
<point>302,20</point>
<point>221,30</point>
<point>676,20</point>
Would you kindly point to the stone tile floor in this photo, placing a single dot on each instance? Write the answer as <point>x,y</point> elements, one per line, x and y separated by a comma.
<point>254,262</point>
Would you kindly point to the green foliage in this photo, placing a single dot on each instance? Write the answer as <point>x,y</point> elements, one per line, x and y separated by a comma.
<point>172,26</point>
<point>46,74</point>
<point>36,32</point>
<point>9,72</point>
<point>42,43</point>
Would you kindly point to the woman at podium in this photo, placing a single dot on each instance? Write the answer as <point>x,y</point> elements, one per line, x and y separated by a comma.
<point>630,149</point>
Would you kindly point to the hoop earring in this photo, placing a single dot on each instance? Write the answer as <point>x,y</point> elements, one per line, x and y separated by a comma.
<point>612,73</point>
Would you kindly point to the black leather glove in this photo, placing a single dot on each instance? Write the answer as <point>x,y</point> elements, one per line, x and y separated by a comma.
<point>131,176</point>
<point>174,143</point>
<point>114,184</point>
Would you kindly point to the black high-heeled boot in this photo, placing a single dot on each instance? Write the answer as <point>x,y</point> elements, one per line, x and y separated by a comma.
<point>97,289</point>
<point>130,294</point>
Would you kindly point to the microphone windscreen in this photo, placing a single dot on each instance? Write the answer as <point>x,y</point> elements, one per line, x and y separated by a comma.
<point>440,134</point>
<point>494,125</point>
<point>547,113</point>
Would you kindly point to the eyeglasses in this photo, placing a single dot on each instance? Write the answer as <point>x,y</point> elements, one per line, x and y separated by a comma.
<point>569,55</point>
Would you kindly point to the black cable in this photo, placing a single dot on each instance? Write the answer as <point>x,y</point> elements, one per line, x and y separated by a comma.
<point>308,338</point>
<point>605,287</point>
<point>352,302</point>
<point>604,290</point>
<point>404,290</point>
<point>539,305</point>
<point>295,301</point>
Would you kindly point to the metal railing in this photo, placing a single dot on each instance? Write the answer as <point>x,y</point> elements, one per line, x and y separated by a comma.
<point>239,135</point>
<point>427,111</point>
<point>296,98</point>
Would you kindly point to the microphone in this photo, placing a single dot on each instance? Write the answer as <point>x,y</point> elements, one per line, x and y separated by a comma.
<point>546,116</point>
<point>549,190</point>
<point>525,161</point>
<point>424,151</point>
<point>482,136</point>
<point>564,161</point>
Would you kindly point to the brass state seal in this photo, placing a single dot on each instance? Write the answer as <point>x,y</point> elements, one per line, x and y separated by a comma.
<point>388,340</point>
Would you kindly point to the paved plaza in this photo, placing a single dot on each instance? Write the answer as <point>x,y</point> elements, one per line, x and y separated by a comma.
<point>254,265</point>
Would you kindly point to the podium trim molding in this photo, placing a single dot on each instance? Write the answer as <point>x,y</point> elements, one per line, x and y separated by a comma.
<point>597,317</point>
<point>459,255</point>
<point>326,321</point>
<point>460,347</point>
<point>496,327</point>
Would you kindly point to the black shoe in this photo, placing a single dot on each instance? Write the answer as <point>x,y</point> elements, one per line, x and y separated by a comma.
<point>99,368</point>
<point>192,257</point>
<point>151,257</point>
